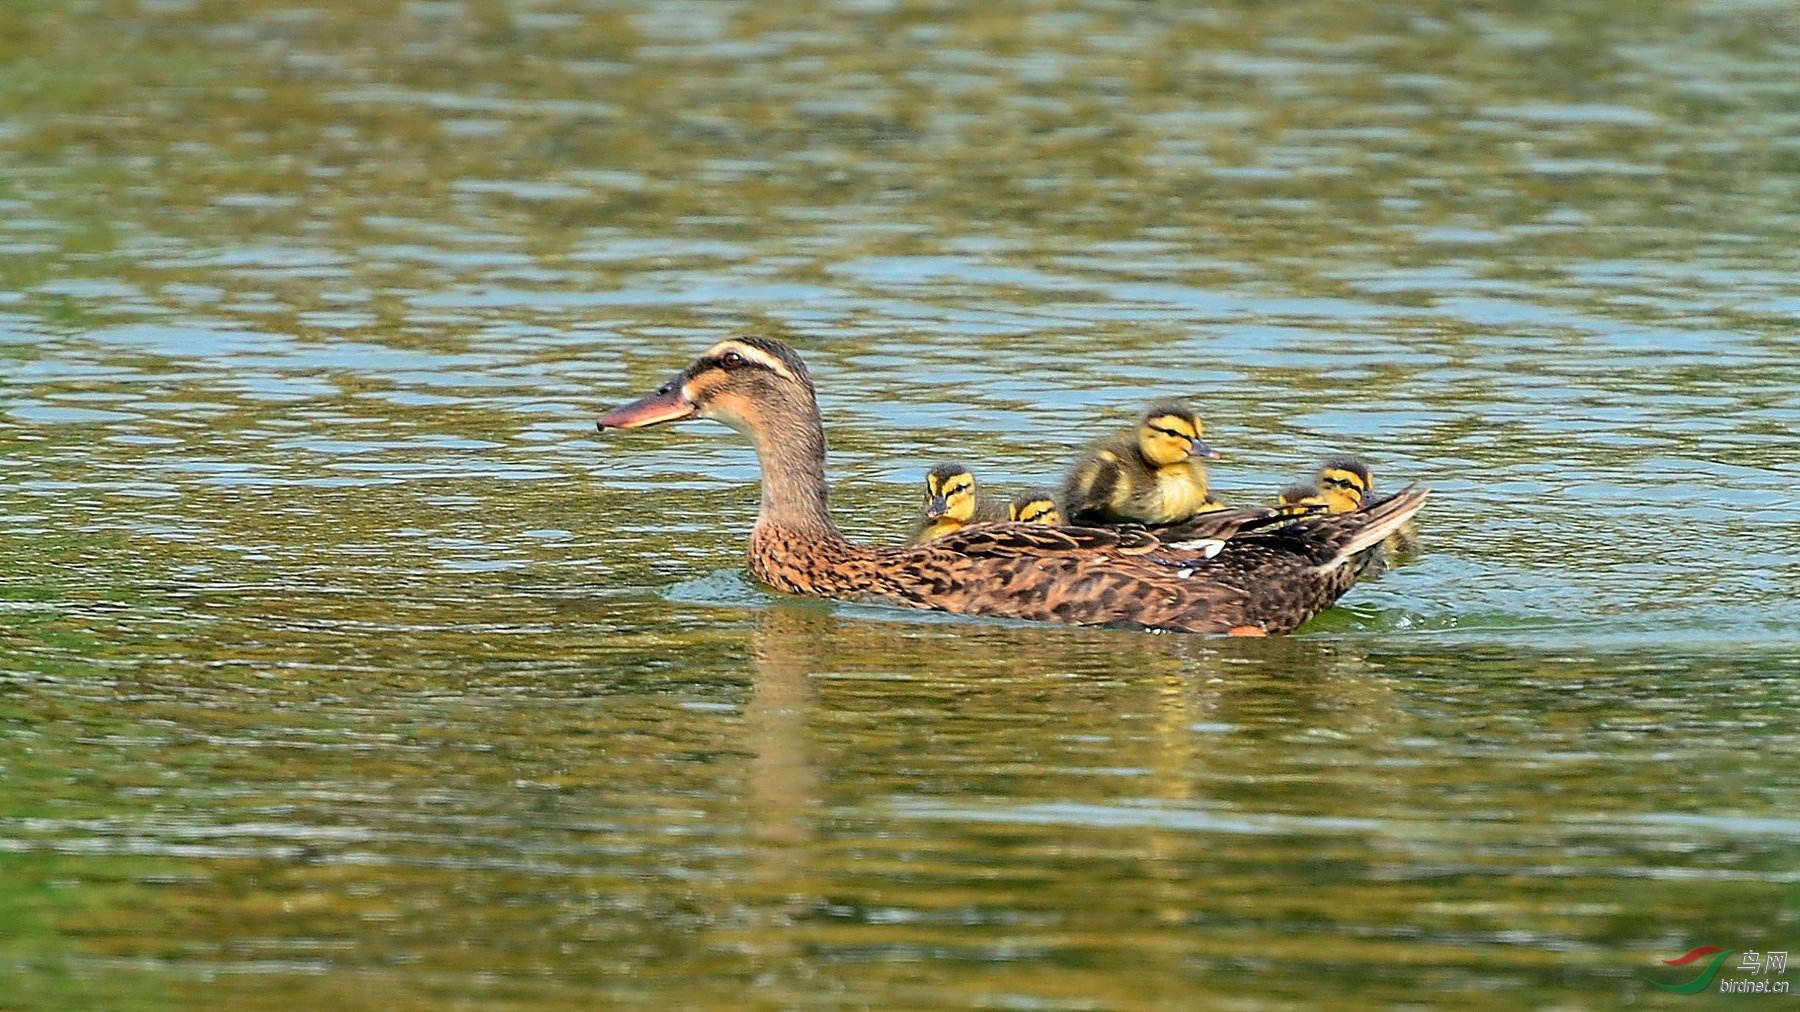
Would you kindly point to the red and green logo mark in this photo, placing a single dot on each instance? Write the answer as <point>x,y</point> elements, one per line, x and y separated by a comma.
<point>1698,984</point>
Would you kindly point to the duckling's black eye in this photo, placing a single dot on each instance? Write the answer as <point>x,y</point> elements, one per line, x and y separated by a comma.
<point>731,361</point>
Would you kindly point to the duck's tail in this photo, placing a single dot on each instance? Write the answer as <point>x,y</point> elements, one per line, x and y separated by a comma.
<point>1370,526</point>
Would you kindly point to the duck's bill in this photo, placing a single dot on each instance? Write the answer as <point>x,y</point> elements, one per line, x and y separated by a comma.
<point>1203,451</point>
<point>661,406</point>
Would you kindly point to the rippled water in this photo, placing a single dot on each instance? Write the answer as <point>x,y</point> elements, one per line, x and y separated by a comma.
<point>343,663</point>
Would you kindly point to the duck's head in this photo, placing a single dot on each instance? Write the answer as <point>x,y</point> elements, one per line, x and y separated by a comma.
<point>1037,506</point>
<point>1170,434</point>
<point>1343,481</point>
<point>950,493</point>
<point>741,381</point>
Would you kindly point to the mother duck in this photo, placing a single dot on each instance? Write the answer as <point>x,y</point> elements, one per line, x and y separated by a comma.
<point>1244,571</point>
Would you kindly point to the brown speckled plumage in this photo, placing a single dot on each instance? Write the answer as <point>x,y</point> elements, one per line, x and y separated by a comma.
<point>1237,569</point>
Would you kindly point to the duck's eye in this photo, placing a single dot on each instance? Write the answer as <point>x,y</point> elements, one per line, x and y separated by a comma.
<point>731,361</point>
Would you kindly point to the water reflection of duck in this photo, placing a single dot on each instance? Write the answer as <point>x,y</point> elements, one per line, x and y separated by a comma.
<point>1262,578</point>
<point>951,503</point>
<point>1152,475</point>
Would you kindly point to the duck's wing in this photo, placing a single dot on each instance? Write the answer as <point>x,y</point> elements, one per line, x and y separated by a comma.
<point>1270,578</point>
<point>1222,525</point>
<point>1014,539</point>
<point>1199,536</point>
<point>1335,538</point>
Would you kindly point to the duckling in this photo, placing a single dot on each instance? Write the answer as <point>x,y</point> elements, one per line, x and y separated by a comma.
<point>1344,481</point>
<point>1299,498</point>
<point>951,502</point>
<point>1037,506</point>
<point>1153,476</point>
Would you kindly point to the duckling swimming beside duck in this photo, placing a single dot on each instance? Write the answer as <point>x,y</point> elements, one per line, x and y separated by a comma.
<point>1153,475</point>
<point>951,504</point>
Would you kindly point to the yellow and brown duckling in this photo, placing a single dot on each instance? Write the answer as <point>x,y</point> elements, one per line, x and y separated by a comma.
<point>1345,482</point>
<point>1153,475</point>
<point>951,503</point>
<point>1035,506</point>
<point>1300,497</point>
<point>1253,576</point>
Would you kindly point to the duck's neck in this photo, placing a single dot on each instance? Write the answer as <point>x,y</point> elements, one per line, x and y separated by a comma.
<point>792,453</point>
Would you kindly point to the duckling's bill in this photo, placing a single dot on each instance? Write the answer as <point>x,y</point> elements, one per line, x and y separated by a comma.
<point>668,404</point>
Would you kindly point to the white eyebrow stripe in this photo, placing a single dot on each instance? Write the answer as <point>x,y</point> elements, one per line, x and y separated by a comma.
<point>756,355</point>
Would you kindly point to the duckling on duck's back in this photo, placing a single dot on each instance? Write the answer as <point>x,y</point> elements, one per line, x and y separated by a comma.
<point>951,502</point>
<point>1299,498</point>
<point>1248,576</point>
<point>1345,482</point>
<point>1035,506</point>
<point>1153,475</point>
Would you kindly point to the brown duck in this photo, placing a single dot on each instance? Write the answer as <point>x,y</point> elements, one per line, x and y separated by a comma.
<point>1249,571</point>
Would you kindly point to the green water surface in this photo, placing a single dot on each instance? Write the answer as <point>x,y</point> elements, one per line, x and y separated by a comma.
<point>342,664</point>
